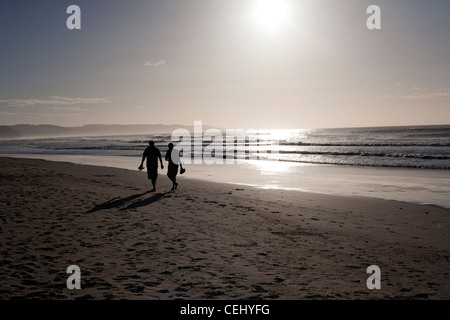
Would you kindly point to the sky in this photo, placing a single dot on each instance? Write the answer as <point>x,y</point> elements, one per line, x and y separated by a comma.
<point>265,64</point>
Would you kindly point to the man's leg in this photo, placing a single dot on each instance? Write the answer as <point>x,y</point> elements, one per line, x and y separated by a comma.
<point>154,183</point>
<point>153,175</point>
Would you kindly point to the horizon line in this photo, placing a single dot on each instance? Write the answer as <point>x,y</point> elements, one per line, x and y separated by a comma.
<point>221,127</point>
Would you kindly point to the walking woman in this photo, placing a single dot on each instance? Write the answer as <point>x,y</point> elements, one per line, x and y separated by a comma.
<point>172,168</point>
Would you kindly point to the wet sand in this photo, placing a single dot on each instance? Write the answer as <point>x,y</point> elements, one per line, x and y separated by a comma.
<point>208,240</point>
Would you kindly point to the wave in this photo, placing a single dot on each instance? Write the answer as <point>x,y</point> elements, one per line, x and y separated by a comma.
<point>369,154</point>
<point>358,153</point>
<point>375,165</point>
<point>99,148</point>
<point>361,144</point>
<point>413,147</point>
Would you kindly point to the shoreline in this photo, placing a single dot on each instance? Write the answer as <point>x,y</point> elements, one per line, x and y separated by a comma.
<point>208,241</point>
<point>416,186</point>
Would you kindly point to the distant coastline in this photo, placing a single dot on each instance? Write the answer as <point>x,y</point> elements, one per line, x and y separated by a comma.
<point>45,131</point>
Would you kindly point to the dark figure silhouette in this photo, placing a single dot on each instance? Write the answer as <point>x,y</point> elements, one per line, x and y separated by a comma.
<point>152,154</point>
<point>172,168</point>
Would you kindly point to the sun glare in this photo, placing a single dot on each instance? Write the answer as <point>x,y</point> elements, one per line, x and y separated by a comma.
<point>271,15</point>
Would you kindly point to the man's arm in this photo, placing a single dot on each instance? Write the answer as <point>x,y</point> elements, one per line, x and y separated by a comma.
<point>143,159</point>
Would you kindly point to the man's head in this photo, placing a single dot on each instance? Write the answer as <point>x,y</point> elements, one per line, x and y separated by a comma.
<point>151,143</point>
<point>170,146</point>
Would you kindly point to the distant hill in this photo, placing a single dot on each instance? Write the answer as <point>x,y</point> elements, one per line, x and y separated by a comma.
<point>7,132</point>
<point>28,130</point>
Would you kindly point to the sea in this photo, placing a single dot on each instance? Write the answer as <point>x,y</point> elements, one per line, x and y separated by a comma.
<point>408,163</point>
<point>426,147</point>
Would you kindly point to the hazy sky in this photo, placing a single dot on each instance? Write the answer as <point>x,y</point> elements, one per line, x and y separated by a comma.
<point>228,63</point>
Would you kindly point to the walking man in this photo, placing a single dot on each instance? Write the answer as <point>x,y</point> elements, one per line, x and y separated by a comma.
<point>152,154</point>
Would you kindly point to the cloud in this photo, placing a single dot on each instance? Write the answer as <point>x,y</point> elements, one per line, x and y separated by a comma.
<point>152,63</point>
<point>142,107</point>
<point>347,97</point>
<point>420,96</point>
<point>417,93</point>
<point>35,114</point>
<point>58,108</point>
<point>53,101</point>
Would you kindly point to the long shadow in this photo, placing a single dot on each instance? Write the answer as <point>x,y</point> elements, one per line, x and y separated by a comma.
<point>146,202</point>
<point>115,202</point>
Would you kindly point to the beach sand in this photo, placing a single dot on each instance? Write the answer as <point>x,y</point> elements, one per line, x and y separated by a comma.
<point>208,240</point>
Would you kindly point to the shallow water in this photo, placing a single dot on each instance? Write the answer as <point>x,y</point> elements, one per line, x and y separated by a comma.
<point>422,186</point>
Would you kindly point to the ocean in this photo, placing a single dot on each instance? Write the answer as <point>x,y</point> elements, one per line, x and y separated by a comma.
<point>394,163</point>
<point>426,147</point>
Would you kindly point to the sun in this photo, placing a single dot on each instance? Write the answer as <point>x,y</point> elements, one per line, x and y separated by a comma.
<point>271,15</point>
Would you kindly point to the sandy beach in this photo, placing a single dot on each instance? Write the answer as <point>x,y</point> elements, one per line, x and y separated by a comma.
<point>208,240</point>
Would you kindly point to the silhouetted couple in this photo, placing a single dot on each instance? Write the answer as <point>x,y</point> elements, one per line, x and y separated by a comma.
<point>152,155</point>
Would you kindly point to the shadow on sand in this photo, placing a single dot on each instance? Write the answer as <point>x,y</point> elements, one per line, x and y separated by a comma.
<point>118,202</point>
<point>145,202</point>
